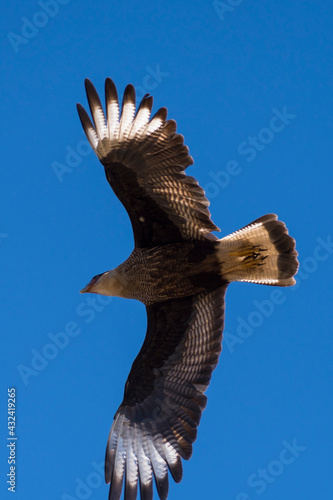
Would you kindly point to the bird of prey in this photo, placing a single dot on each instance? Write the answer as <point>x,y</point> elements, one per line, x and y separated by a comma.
<point>180,271</point>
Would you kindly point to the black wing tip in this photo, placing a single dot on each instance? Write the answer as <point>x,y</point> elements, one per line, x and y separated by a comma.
<point>109,81</point>
<point>146,490</point>
<point>108,466</point>
<point>82,114</point>
<point>176,470</point>
<point>84,118</point>
<point>111,94</point>
<point>161,114</point>
<point>162,486</point>
<point>89,86</point>
<point>131,490</point>
<point>147,101</point>
<point>92,94</point>
<point>91,91</point>
<point>129,94</point>
<point>110,86</point>
<point>129,89</point>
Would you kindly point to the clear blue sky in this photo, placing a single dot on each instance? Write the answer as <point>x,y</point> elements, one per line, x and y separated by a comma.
<point>251,89</point>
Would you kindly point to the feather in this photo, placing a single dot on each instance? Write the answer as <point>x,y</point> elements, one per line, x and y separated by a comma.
<point>112,110</point>
<point>96,110</point>
<point>127,112</point>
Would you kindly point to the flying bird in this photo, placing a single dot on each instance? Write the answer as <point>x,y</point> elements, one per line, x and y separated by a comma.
<point>180,271</point>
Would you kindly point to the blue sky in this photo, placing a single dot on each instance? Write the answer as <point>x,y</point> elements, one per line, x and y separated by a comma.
<point>251,89</point>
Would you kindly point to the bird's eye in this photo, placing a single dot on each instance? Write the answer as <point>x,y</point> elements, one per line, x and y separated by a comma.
<point>96,278</point>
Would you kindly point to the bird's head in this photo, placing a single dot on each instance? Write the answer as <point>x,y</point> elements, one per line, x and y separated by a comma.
<point>109,283</point>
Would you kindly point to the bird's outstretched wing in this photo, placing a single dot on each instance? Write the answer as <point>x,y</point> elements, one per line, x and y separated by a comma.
<point>144,162</point>
<point>157,421</point>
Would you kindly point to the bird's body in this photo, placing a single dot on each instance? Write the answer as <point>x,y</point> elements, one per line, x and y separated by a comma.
<point>180,271</point>
<point>172,271</point>
<point>177,270</point>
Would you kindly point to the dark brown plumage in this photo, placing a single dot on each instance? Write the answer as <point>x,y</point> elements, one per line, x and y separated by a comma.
<point>180,271</point>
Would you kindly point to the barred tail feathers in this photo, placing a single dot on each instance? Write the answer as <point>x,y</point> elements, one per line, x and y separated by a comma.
<point>261,252</point>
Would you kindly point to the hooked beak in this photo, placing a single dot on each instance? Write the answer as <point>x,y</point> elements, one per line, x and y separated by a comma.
<point>86,289</point>
<point>89,288</point>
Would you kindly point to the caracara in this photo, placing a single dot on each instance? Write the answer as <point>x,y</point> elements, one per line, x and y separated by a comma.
<point>180,271</point>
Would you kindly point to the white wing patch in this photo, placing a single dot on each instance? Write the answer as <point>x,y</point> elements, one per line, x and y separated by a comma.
<point>134,450</point>
<point>112,130</point>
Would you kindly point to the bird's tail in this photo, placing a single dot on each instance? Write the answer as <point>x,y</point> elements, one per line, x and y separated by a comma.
<point>261,252</point>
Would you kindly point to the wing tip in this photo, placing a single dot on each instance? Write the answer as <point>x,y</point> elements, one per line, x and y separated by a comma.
<point>111,93</point>
<point>89,86</point>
